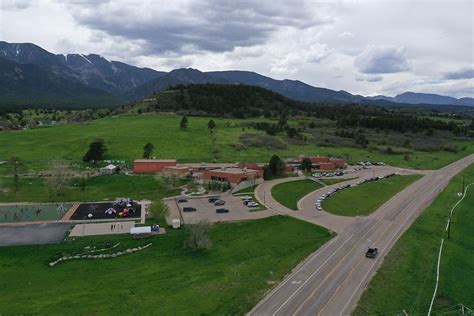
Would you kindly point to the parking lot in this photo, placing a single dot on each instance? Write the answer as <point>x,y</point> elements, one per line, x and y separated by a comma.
<point>207,211</point>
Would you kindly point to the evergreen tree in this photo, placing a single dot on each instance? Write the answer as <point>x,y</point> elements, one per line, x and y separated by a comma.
<point>184,123</point>
<point>306,164</point>
<point>211,125</point>
<point>96,151</point>
<point>148,150</point>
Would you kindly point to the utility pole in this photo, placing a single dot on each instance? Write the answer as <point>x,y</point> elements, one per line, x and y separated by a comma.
<point>463,183</point>
<point>449,226</point>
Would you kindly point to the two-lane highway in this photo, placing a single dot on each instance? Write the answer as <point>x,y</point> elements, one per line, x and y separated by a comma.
<point>332,279</point>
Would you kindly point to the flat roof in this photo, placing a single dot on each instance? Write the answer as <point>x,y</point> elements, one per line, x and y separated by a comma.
<point>155,160</point>
<point>233,170</point>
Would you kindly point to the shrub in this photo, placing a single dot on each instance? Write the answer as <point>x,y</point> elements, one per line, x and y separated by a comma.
<point>197,237</point>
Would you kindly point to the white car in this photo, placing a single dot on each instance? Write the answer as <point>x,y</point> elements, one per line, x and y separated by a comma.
<point>252,204</point>
<point>246,197</point>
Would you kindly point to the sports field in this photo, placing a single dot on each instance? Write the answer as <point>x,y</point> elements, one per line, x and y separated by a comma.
<point>32,212</point>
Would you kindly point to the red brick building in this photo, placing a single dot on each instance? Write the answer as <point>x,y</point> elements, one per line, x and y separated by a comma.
<point>152,165</point>
<point>231,175</point>
<point>340,163</point>
<point>318,159</point>
<point>327,166</point>
<point>179,171</point>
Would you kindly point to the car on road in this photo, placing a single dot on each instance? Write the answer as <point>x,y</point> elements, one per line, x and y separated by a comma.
<point>189,209</point>
<point>212,199</point>
<point>219,202</point>
<point>252,204</point>
<point>182,201</point>
<point>372,252</point>
<point>222,210</point>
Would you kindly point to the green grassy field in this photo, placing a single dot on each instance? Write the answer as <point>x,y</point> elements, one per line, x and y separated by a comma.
<point>334,181</point>
<point>407,277</point>
<point>96,189</point>
<point>165,279</point>
<point>125,137</point>
<point>365,198</point>
<point>289,193</point>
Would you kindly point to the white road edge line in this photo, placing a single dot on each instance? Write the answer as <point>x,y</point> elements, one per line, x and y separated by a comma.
<point>311,275</point>
<point>284,282</point>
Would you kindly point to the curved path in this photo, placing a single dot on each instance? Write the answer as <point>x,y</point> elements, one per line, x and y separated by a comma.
<point>331,280</point>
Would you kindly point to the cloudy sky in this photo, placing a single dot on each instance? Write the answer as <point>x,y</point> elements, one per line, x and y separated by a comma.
<point>365,47</point>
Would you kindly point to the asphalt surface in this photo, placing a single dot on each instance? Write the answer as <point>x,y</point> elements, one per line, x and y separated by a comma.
<point>331,280</point>
<point>33,234</point>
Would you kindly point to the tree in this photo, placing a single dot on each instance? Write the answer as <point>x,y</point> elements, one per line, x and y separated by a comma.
<point>276,165</point>
<point>312,125</point>
<point>159,210</point>
<point>148,150</point>
<point>211,125</point>
<point>17,166</point>
<point>197,236</point>
<point>96,151</point>
<point>60,174</point>
<point>184,123</point>
<point>167,181</point>
<point>361,140</point>
<point>306,164</point>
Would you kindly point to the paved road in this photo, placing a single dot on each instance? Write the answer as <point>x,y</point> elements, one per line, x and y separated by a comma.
<point>331,280</point>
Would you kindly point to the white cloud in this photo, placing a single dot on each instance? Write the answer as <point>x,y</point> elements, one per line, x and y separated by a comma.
<point>365,47</point>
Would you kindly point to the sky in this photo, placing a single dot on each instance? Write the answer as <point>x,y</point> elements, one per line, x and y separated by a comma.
<point>365,47</point>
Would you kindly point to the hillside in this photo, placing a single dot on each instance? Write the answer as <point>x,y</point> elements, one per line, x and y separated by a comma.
<point>29,84</point>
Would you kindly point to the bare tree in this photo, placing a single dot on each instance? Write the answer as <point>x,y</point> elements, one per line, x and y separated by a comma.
<point>17,166</point>
<point>60,174</point>
<point>197,236</point>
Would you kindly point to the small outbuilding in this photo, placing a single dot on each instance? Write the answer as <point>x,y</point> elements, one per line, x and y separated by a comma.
<point>140,232</point>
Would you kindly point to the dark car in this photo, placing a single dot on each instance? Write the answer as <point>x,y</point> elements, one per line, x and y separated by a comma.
<point>219,202</point>
<point>372,252</point>
<point>222,210</point>
<point>189,209</point>
<point>212,199</point>
<point>339,173</point>
<point>182,201</point>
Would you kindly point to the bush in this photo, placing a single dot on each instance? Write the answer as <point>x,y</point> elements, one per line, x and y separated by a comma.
<point>197,236</point>
<point>159,211</point>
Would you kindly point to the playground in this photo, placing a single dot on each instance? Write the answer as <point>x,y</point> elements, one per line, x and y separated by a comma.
<point>33,212</point>
<point>120,209</point>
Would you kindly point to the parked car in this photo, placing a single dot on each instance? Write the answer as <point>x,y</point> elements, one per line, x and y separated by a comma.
<point>246,197</point>
<point>372,252</point>
<point>252,204</point>
<point>189,209</point>
<point>222,210</point>
<point>219,202</point>
<point>212,199</point>
<point>247,201</point>
<point>182,201</point>
<point>316,175</point>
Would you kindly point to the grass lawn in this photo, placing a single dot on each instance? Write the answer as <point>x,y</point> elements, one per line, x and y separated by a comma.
<point>125,137</point>
<point>289,193</point>
<point>97,188</point>
<point>249,190</point>
<point>407,277</point>
<point>334,181</point>
<point>165,279</point>
<point>365,198</point>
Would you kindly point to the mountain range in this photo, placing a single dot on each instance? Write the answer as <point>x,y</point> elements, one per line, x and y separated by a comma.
<point>30,75</point>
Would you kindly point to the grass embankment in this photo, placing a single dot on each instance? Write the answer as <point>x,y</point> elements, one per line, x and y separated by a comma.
<point>334,181</point>
<point>366,198</point>
<point>165,279</point>
<point>407,277</point>
<point>125,137</point>
<point>96,188</point>
<point>289,193</point>
<point>249,190</point>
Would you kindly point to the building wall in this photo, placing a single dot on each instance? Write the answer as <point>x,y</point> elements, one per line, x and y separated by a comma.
<point>340,163</point>
<point>151,166</point>
<point>319,159</point>
<point>233,178</point>
<point>327,166</point>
